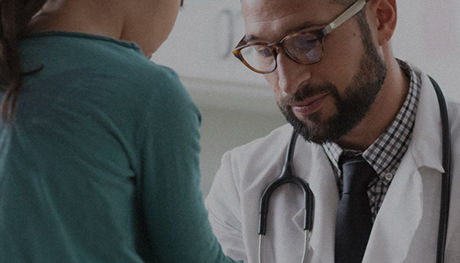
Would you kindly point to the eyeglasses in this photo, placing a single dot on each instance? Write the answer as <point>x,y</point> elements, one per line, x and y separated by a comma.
<point>303,47</point>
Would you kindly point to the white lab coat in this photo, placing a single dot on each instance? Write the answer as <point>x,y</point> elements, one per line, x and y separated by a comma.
<point>406,227</point>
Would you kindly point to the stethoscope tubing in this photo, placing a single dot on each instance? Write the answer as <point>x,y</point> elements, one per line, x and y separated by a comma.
<point>306,242</point>
<point>446,177</point>
<point>287,177</point>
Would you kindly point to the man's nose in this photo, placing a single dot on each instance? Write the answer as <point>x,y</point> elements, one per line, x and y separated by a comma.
<point>291,75</point>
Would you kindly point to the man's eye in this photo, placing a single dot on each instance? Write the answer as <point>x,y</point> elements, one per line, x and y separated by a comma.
<point>304,43</point>
<point>263,51</point>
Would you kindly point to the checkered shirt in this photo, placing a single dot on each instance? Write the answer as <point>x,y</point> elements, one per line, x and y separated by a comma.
<point>385,154</point>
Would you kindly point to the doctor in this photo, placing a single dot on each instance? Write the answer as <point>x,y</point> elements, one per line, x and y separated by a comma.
<point>334,77</point>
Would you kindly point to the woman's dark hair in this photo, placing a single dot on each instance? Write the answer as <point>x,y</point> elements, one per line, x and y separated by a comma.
<point>15,15</point>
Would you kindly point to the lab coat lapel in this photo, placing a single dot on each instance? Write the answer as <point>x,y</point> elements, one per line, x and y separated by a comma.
<point>426,145</point>
<point>398,218</point>
<point>319,174</point>
<point>402,210</point>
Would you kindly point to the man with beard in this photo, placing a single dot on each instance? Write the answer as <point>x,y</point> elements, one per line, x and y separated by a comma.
<point>354,104</point>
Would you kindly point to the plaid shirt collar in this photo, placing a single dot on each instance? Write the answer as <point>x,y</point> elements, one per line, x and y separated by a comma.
<point>386,153</point>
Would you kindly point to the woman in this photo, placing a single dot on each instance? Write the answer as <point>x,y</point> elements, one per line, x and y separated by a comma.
<point>98,145</point>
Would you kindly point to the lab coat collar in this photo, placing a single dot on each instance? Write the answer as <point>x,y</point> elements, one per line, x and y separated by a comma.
<point>401,213</point>
<point>399,216</point>
<point>426,144</point>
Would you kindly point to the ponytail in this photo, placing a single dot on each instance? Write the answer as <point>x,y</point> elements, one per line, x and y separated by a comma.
<point>15,15</point>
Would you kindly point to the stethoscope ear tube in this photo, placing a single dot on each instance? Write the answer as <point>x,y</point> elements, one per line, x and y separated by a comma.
<point>287,176</point>
<point>263,208</point>
<point>310,208</point>
<point>446,177</point>
<point>267,193</point>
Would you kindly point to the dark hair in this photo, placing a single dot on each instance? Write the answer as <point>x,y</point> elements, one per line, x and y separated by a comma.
<point>15,15</point>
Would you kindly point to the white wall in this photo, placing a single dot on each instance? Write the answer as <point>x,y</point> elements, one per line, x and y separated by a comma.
<point>224,129</point>
<point>428,35</point>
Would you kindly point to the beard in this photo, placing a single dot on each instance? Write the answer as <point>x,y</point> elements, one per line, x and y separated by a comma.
<point>351,107</point>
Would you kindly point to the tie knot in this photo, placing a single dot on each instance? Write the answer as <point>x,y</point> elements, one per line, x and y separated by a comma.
<point>356,174</point>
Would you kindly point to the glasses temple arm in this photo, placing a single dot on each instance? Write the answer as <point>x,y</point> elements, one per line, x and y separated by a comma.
<point>347,14</point>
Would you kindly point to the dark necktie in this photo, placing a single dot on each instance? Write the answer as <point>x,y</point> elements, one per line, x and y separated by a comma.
<point>354,219</point>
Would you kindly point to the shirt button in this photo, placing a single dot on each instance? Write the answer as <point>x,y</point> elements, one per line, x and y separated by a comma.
<point>388,176</point>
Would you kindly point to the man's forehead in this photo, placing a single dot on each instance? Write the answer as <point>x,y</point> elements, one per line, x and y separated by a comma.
<point>266,10</point>
<point>283,16</point>
<point>271,6</point>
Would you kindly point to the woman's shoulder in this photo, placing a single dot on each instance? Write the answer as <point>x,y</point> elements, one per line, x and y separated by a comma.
<point>94,58</point>
<point>111,73</point>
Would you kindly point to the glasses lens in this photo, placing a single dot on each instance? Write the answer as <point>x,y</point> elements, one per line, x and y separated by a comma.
<point>259,57</point>
<point>305,48</point>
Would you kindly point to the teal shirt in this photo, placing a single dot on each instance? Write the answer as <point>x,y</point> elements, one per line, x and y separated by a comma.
<point>101,163</point>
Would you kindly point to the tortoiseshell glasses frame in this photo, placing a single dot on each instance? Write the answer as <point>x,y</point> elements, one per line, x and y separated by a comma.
<point>304,46</point>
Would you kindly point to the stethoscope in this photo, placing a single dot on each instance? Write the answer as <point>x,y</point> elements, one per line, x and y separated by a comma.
<point>287,177</point>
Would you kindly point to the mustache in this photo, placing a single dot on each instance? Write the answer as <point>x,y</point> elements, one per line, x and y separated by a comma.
<point>306,91</point>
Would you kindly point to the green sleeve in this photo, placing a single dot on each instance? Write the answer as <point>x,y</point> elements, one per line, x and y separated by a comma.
<point>175,218</point>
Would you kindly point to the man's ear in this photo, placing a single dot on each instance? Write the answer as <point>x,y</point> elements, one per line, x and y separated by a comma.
<point>384,16</point>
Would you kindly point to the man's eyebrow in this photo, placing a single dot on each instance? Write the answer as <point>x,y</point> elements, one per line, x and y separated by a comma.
<point>251,38</point>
